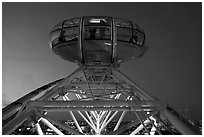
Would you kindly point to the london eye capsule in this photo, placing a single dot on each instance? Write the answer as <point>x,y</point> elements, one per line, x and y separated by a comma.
<point>97,40</point>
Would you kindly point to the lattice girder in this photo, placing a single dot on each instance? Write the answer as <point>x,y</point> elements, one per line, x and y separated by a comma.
<point>99,97</point>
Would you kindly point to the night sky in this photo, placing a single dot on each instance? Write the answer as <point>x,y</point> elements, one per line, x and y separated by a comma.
<point>170,70</point>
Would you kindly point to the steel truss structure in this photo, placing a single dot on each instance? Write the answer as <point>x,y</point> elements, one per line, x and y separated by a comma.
<point>96,98</point>
<point>99,96</point>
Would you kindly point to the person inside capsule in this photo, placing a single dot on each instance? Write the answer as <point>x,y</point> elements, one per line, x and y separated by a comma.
<point>62,36</point>
<point>96,29</point>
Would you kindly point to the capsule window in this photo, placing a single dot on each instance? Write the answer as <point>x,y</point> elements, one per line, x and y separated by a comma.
<point>138,37</point>
<point>135,26</point>
<point>57,27</point>
<point>124,34</point>
<point>71,23</point>
<point>70,34</point>
<point>97,33</point>
<point>122,23</point>
<point>54,37</point>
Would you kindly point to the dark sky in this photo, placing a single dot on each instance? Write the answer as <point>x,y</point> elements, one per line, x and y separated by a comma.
<point>171,69</point>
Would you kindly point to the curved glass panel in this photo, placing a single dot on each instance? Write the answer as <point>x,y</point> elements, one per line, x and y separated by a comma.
<point>70,34</point>
<point>97,33</point>
<point>64,35</point>
<point>138,37</point>
<point>97,28</point>
<point>140,29</point>
<point>97,45</point>
<point>55,37</point>
<point>56,27</point>
<point>124,34</point>
<point>134,26</point>
<point>125,51</point>
<point>122,23</point>
<point>71,23</point>
<point>97,52</point>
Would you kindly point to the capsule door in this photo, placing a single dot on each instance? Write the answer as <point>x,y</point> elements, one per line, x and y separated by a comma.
<point>97,44</point>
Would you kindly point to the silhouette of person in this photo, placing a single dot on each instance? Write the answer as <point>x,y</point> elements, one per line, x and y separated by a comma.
<point>92,32</point>
<point>102,29</point>
<point>62,36</point>
<point>102,32</point>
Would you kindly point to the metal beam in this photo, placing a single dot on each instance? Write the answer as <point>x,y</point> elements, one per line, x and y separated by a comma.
<point>11,108</point>
<point>16,122</point>
<point>65,98</point>
<point>179,123</point>
<point>153,122</point>
<point>62,125</point>
<point>76,122</point>
<point>141,126</point>
<point>90,119</point>
<point>142,122</point>
<point>64,109</point>
<point>62,83</point>
<point>124,128</point>
<point>106,118</point>
<point>45,121</point>
<point>94,103</point>
<point>92,126</point>
<point>120,120</point>
<point>105,124</point>
<point>94,83</point>
<point>88,84</point>
<point>140,91</point>
<point>38,128</point>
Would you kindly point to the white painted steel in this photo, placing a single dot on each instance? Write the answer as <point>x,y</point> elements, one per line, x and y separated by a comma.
<point>120,120</point>
<point>38,128</point>
<point>76,122</point>
<point>45,121</point>
<point>141,126</point>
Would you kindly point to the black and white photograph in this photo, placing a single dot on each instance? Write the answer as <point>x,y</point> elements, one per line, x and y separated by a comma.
<point>101,68</point>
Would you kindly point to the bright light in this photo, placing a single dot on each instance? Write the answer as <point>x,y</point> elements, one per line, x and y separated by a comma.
<point>108,44</point>
<point>97,20</point>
